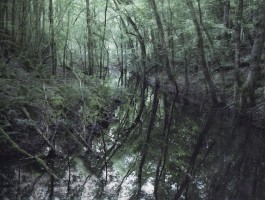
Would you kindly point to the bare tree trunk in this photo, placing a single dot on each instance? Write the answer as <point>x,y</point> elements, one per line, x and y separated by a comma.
<point>52,43</point>
<point>170,31</point>
<point>37,15</point>
<point>66,44</point>
<point>106,69</point>
<point>103,42</point>
<point>165,59</point>
<point>89,38</point>
<point>141,41</point>
<point>257,50</point>
<point>148,139</point>
<point>237,50</point>
<point>187,81</point>
<point>201,56</point>
<point>2,10</point>
<point>121,61</point>
<point>226,19</point>
<point>125,65</point>
<point>23,22</point>
<point>5,15</point>
<point>13,19</point>
<point>164,149</point>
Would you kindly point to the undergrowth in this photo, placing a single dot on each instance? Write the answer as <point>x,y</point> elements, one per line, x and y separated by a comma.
<point>57,113</point>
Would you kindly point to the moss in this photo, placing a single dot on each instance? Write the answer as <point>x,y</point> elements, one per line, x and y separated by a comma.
<point>18,149</point>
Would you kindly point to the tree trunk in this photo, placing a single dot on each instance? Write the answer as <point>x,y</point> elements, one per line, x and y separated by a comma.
<point>226,19</point>
<point>148,138</point>
<point>37,15</point>
<point>13,20</point>
<point>1,15</point>
<point>141,41</point>
<point>170,31</point>
<point>200,51</point>
<point>43,12</point>
<point>103,42</point>
<point>237,50</point>
<point>23,22</point>
<point>5,15</point>
<point>257,50</point>
<point>163,158</point>
<point>66,44</point>
<point>195,153</point>
<point>165,59</point>
<point>215,58</point>
<point>52,42</point>
<point>121,62</point>
<point>89,39</point>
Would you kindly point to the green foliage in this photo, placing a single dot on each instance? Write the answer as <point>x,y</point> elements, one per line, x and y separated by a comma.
<point>80,101</point>
<point>56,98</point>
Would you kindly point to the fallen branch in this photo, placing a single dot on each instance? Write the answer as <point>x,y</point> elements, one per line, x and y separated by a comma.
<point>39,131</point>
<point>17,148</point>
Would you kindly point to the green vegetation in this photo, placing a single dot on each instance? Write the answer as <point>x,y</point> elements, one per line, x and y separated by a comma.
<point>122,99</point>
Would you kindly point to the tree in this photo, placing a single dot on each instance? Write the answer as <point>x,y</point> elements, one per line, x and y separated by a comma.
<point>254,74</point>
<point>200,51</point>
<point>157,120</point>
<point>89,39</point>
<point>164,50</point>
<point>237,50</point>
<point>52,41</point>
